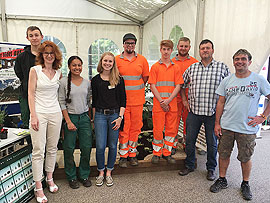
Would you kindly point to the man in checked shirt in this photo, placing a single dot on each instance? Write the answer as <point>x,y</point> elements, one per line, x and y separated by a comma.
<point>202,79</point>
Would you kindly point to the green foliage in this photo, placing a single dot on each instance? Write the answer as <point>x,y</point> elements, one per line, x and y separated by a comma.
<point>175,35</point>
<point>3,115</point>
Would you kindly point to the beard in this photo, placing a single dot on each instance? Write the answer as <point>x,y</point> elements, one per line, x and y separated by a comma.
<point>183,55</point>
<point>129,51</point>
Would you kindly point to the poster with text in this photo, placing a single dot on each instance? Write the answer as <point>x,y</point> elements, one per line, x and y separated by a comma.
<point>9,83</point>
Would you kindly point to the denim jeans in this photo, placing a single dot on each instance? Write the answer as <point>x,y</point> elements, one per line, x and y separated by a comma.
<point>105,135</point>
<point>194,123</point>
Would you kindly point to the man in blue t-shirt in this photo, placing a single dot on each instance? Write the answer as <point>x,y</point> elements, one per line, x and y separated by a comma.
<point>236,118</point>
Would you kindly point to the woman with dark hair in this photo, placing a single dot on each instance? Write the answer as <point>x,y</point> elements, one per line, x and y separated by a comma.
<point>109,102</point>
<point>45,114</point>
<point>74,99</point>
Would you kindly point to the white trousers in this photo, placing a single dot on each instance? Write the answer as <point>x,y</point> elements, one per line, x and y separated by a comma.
<point>45,139</point>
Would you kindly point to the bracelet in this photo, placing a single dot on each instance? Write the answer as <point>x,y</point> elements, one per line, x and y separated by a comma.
<point>263,116</point>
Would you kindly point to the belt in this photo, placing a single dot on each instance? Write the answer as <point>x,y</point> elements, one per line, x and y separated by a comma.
<point>107,111</point>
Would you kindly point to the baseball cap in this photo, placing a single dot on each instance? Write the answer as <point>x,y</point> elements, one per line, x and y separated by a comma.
<point>129,36</point>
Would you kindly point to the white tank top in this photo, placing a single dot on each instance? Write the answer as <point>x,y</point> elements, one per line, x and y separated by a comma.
<point>46,95</point>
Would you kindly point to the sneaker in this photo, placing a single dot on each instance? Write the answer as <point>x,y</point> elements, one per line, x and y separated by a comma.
<point>86,182</point>
<point>218,185</point>
<point>245,190</point>
<point>109,181</point>
<point>133,161</point>
<point>123,162</point>
<point>210,175</point>
<point>99,181</point>
<point>155,159</point>
<point>169,159</point>
<point>73,184</point>
<point>185,171</point>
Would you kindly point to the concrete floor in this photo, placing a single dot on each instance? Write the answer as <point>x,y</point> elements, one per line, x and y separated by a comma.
<point>168,186</point>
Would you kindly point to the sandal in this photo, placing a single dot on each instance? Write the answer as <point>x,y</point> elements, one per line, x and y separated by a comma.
<point>40,199</point>
<point>52,189</point>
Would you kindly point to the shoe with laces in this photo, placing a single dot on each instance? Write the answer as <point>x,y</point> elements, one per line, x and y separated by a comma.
<point>210,175</point>
<point>185,171</point>
<point>133,161</point>
<point>86,182</point>
<point>219,185</point>
<point>123,162</point>
<point>109,181</point>
<point>73,184</point>
<point>155,159</point>
<point>99,181</point>
<point>169,159</point>
<point>246,192</point>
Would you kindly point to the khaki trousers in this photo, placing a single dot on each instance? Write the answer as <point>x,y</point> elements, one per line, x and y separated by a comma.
<point>46,138</point>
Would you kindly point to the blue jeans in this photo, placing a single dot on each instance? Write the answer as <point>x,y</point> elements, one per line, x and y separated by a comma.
<point>194,123</point>
<point>105,135</point>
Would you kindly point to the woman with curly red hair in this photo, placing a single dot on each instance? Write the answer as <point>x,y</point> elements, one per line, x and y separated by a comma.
<point>45,114</point>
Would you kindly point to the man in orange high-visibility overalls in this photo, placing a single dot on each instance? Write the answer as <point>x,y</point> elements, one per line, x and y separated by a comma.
<point>134,68</point>
<point>165,79</point>
<point>183,60</point>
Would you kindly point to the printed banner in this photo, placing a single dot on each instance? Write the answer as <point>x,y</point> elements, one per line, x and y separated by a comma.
<point>9,83</point>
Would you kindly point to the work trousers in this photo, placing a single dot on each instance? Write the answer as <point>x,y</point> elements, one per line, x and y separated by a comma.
<point>83,133</point>
<point>168,120</point>
<point>128,138</point>
<point>25,112</point>
<point>182,113</point>
<point>194,123</point>
<point>46,137</point>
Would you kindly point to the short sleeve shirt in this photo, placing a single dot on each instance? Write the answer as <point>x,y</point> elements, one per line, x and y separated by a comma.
<point>165,78</point>
<point>133,71</point>
<point>241,101</point>
<point>202,83</point>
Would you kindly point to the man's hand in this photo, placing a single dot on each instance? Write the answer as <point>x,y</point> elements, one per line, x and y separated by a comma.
<point>186,105</point>
<point>218,130</point>
<point>165,107</point>
<point>255,120</point>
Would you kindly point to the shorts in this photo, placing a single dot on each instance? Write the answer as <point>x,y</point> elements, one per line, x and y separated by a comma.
<point>245,144</point>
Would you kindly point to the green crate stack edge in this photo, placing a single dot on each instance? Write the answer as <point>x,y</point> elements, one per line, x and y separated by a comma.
<point>16,177</point>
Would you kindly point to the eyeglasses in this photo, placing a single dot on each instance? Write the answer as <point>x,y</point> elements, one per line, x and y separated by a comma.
<point>129,43</point>
<point>48,53</point>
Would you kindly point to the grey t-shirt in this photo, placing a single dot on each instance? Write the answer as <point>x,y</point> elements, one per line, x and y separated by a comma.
<point>79,95</point>
<point>242,98</point>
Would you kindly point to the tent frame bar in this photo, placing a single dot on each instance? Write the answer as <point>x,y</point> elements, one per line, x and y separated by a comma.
<point>75,20</point>
<point>161,10</point>
<point>115,11</point>
<point>4,20</point>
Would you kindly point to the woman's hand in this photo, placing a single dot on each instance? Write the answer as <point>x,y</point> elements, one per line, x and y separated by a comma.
<point>71,126</point>
<point>35,123</point>
<point>117,123</point>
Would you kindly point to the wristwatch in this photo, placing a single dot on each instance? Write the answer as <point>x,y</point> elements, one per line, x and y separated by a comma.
<point>122,117</point>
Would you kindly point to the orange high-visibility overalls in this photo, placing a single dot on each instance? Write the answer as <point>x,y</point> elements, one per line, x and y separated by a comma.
<point>182,111</point>
<point>165,79</point>
<point>133,72</point>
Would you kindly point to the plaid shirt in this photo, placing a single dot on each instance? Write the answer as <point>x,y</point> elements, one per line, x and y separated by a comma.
<point>202,83</point>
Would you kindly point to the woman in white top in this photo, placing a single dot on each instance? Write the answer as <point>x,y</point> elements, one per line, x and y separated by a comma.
<point>45,114</point>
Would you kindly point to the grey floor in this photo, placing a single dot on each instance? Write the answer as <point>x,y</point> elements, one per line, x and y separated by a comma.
<point>170,187</point>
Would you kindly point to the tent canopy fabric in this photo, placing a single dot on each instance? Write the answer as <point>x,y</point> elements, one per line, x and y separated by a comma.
<point>230,24</point>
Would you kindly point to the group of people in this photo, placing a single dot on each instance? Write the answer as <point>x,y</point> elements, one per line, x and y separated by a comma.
<point>198,92</point>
